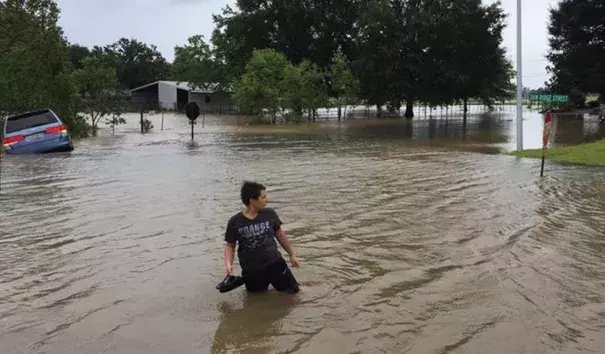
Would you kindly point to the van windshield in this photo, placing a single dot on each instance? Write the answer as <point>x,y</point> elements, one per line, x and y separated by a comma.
<point>14,124</point>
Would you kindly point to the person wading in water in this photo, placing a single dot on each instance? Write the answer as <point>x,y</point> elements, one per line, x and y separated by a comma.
<point>254,231</point>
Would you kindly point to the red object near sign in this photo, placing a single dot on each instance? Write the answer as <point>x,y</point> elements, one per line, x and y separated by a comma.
<point>546,133</point>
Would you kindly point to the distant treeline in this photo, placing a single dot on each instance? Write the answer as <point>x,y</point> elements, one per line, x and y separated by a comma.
<point>290,58</point>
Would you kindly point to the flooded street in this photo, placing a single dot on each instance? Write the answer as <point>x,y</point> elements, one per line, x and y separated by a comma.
<point>413,238</point>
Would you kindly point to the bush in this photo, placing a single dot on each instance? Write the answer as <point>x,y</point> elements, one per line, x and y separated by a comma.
<point>77,125</point>
<point>593,104</point>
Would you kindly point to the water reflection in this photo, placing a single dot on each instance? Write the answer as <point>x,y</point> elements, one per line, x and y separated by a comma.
<point>494,131</point>
<point>255,326</point>
<point>573,130</point>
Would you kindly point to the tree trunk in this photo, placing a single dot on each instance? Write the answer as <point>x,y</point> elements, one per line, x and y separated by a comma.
<point>339,112</point>
<point>409,109</point>
<point>465,110</point>
<point>94,122</point>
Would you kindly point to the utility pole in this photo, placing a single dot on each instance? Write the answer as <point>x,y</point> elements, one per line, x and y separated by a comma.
<point>519,81</point>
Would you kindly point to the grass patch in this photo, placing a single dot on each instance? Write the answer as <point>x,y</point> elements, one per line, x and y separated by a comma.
<point>585,154</point>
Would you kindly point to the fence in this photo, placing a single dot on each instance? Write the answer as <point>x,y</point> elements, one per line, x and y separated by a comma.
<point>179,107</point>
<point>451,112</point>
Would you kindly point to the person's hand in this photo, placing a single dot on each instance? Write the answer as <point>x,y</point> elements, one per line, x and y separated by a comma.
<point>294,262</point>
<point>229,270</point>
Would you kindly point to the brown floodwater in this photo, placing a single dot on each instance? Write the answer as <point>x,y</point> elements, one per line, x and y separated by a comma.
<point>413,238</point>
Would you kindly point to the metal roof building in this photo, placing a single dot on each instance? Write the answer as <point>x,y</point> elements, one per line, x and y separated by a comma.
<point>174,95</point>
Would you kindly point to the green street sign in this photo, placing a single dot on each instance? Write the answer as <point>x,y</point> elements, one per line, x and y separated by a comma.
<point>547,97</point>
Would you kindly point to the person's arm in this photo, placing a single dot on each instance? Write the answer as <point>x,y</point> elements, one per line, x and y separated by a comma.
<point>229,256</point>
<point>285,243</point>
<point>229,253</point>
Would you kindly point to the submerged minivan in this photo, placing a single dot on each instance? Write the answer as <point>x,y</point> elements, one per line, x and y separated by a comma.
<point>36,132</point>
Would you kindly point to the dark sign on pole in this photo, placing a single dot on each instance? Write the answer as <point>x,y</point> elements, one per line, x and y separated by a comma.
<point>193,111</point>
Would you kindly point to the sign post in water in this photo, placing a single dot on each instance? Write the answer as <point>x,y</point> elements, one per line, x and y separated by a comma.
<point>545,137</point>
<point>193,111</point>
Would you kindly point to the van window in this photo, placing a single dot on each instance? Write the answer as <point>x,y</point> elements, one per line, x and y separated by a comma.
<point>29,120</point>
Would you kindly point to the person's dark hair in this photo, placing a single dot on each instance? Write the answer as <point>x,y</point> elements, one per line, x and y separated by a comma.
<point>251,190</point>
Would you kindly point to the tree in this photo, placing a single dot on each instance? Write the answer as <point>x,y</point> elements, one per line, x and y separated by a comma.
<point>431,52</point>
<point>34,65</point>
<point>258,90</point>
<point>329,25</point>
<point>345,86</point>
<point>99,90</point>
<point>481,68</point>
<point>77,53</point>
<point>237,34</point>
<point>577,48</point>
<point>136,63</point>
<point>114,121</point>
<point>313,93</point>
<point>377,64</point>
<point>197,63</point>
<point>291,88</point>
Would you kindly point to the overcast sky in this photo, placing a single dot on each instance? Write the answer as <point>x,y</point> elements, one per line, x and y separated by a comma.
<point>166,23</point>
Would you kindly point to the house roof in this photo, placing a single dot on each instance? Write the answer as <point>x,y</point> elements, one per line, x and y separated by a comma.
<point>183,85</point>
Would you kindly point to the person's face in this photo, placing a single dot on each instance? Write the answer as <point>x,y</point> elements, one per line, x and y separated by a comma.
<point>261,202</point>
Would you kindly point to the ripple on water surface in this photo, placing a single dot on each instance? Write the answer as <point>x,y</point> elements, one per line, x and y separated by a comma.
<point>404,247</point>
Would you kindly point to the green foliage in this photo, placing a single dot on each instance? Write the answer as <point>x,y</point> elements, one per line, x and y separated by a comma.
<point>99,91</point>
<point>305,29</point>
<point>146,126</point>
<point>577,49</point>
<point>345,86</point>
<point>428,51</point>
<point>234,43</point>
<point>114,121</point>
<point>136,63</point>
<point>259,88</point>
<point>273,85</point>
<point>34,67</point>
<point>39,69</point>
<point>291,88</point>
<point>77,53</point>
<point>197,63</point>
<point>313,93</point>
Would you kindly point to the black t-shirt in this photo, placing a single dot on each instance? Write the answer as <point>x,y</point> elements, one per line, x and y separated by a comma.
<point>257,247</point>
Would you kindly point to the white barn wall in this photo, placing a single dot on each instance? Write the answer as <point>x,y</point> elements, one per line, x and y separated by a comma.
<point>167,95</point>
